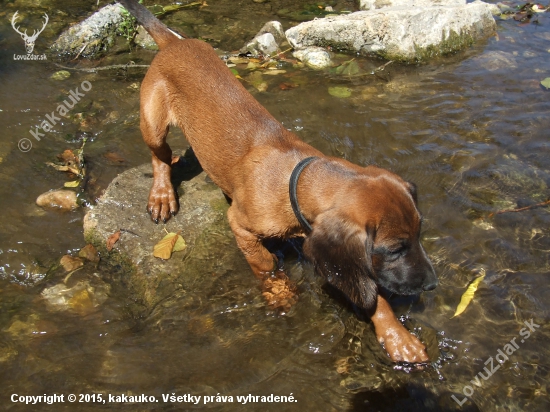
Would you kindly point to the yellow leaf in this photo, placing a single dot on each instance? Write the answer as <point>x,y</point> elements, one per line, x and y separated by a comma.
<point>468,295</point>
<point>164,248</point>
<point>74,183</point>
<point>179,245</point>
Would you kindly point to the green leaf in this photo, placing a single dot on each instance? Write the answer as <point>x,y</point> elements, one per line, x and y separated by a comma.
<point>546,83</point>
<point>338,91</point>
<point>180,244</point>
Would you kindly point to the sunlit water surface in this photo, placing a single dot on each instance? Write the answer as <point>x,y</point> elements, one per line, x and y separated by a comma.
<point>472,134</point>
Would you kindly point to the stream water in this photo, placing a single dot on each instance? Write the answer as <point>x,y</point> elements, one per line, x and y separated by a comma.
<point>471,130</point>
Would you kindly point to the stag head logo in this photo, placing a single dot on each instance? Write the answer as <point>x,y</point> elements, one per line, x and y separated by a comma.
<point>29,40</point>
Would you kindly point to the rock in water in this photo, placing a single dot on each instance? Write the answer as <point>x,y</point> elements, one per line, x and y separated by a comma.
<point>93,36</point>
<point>58,199</point>
<point>400,32</point>
<point>201,221</point>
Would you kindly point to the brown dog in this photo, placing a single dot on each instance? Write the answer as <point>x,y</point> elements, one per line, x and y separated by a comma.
<point>362,225</point>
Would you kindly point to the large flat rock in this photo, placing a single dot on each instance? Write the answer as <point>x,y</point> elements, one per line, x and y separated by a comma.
<point>398,30</point>
<point>201,220</point>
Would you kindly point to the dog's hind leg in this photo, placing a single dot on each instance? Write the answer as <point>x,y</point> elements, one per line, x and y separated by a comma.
<point>162,202</point>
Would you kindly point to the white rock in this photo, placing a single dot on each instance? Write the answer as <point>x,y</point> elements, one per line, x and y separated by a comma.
<point>400,33</point>
<point>380,4</point>
<point>267,41</point>
<point>314,57</point>
<point>262,45</point>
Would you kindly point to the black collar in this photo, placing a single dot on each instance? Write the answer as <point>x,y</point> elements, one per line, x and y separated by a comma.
<point>292,191</point>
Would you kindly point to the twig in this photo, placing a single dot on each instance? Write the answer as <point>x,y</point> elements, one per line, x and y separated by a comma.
<point>95,69</point>
<point>379,69</point>
<point>521,209</point>
<point>81,50</point>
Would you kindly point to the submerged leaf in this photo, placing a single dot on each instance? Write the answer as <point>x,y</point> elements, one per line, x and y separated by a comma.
<point>546,83</point>
<point>468,295</point>
<point>70,263</point>
<point>338,91</point>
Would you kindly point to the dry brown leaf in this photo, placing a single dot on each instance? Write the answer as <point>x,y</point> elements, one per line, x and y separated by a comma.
<point>68,158</point>
<point>112,240</point>
<point>70,263</point>
<point>89,252</point>
<point>60,168</point>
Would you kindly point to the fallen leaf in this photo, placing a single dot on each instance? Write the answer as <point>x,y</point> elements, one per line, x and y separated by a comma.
<point>165,247</point>
<point>238,60</point>
<point>63,168</point>
<point>349,68</point>
<point>468,295</point>
<point>89,252</point>
<point>339,91</point>
<point>236,73</point>
<point>288,86</point>
<point>112,240</point>
<point>274,72</point>
<point>74,183</point>
<point>546,83</point>
<point>114,157</point>
<point>70,263</point>
<point>179,245</point>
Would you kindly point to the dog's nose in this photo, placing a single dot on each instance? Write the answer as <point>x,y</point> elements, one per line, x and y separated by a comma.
<point>430,286</point>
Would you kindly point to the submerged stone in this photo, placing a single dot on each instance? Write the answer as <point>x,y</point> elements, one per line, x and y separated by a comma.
<point>58,199</point>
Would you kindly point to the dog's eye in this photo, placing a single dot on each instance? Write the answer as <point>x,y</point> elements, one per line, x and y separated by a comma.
<point>396,252</point>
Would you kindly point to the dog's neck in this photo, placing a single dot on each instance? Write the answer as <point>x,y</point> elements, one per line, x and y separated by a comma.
<point>320,185</point>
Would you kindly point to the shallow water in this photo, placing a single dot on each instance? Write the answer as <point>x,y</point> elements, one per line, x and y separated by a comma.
<point>472,134</point>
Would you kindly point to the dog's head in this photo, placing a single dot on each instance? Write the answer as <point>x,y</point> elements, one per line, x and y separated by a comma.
<point>371,236</point>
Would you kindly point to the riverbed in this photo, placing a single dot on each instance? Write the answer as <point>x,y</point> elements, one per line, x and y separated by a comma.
<point>471,130</point>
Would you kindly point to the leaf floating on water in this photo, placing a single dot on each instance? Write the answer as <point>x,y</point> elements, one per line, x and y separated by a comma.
<point>469,294</point>
<point>167,245</point>
<point>338,91</point>
<point>546,83</point>
<point>112,240</point>
<point>74,183</point>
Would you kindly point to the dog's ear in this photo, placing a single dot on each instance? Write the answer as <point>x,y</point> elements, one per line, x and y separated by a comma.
<point>341,251</point>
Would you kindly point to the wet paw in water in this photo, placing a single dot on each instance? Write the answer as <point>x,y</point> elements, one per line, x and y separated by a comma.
<point>279,291</point>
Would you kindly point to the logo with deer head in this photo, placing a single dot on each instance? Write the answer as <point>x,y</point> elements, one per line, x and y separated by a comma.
<point>29,40</point>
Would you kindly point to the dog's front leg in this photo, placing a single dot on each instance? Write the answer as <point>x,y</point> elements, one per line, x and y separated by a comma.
<point>398,341</point>
<point>258,257</point>
<point>162,202</point>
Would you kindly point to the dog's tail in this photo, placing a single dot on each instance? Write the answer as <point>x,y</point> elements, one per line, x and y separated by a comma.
<point>158,30</point>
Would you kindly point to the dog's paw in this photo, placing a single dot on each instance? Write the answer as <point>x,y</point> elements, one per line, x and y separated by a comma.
<point>162,203</point>
<point>402,346</point>
<point>279,291</point>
